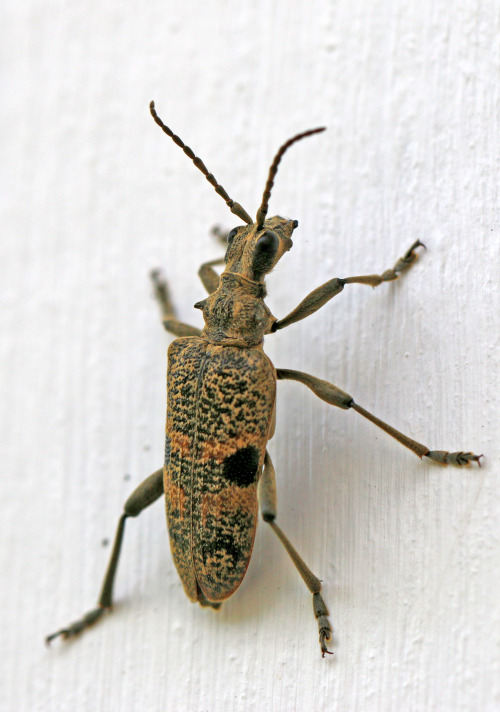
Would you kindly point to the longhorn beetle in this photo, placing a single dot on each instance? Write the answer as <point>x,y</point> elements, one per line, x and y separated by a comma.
<point>221,412</point>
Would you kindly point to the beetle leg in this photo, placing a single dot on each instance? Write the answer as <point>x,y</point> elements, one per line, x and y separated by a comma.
<point>144,495</point>
<point>209,276</point>
<point>206,273</point>
<point>169,320</point>
<point>334,396</point>
<point>320,296</point>
<point>268,507</point>
<point>220,233</point>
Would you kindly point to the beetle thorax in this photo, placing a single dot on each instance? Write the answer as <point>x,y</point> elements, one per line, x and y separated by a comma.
<point>236,314</point>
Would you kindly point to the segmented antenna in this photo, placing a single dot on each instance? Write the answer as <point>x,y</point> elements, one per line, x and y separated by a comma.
<point>235,208</point>
<point>262,211</point>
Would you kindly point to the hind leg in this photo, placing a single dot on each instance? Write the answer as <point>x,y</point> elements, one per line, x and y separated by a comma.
<point>144,495</point>
<point>268,507</point>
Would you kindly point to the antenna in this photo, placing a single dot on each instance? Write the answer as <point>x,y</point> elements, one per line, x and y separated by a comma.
<point>235,208</point>
<point>262,211</point>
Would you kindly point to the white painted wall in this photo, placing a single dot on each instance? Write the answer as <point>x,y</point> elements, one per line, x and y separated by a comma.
<point>93,196</point>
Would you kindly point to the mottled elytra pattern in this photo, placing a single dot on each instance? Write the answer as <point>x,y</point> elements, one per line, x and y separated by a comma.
<point>220,404</point>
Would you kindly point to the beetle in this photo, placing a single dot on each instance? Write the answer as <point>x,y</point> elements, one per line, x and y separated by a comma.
<point>221,412</point>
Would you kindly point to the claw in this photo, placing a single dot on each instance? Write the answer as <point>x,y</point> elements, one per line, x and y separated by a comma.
<point>404,263</point>
<point>416,244</point>
<point>78,626</point>
<point>459,459</point>
<point>48,640</point>
<point>410,255</point>
<point>465,458</point>
<point>323,638</point>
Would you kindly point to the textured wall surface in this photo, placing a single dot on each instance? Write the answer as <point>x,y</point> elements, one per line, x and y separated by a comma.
<point>94,196</point>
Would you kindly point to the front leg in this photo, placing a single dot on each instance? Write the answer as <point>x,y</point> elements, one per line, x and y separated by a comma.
<point>169,320</point>
<point>209,276</point>
<point>206,273</point>
<point>210,280</point>
<point>327,291</point>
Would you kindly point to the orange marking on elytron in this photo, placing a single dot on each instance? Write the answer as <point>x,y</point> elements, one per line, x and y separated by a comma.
<point>176,495</point>
<point>218,450</point>
<point>180,443</point>
<point>230,500</point>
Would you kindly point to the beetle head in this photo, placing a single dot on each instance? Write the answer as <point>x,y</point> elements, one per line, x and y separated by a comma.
<point>253,252</point>
<point>254,248</point>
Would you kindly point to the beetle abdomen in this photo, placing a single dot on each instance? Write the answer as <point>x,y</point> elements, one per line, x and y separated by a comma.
<point>220,403</point>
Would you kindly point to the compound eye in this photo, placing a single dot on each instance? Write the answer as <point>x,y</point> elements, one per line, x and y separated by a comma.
<point>231,235</point>
<point>266,248</point>
<point>268,242</point>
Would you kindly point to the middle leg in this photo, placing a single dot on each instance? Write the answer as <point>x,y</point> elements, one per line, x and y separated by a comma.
<point>335,396</point>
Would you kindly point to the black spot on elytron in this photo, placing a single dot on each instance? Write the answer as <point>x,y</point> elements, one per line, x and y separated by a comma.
<point>241,467</point>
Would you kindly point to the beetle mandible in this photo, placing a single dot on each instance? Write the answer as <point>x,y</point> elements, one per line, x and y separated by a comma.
<point>221,412</point>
